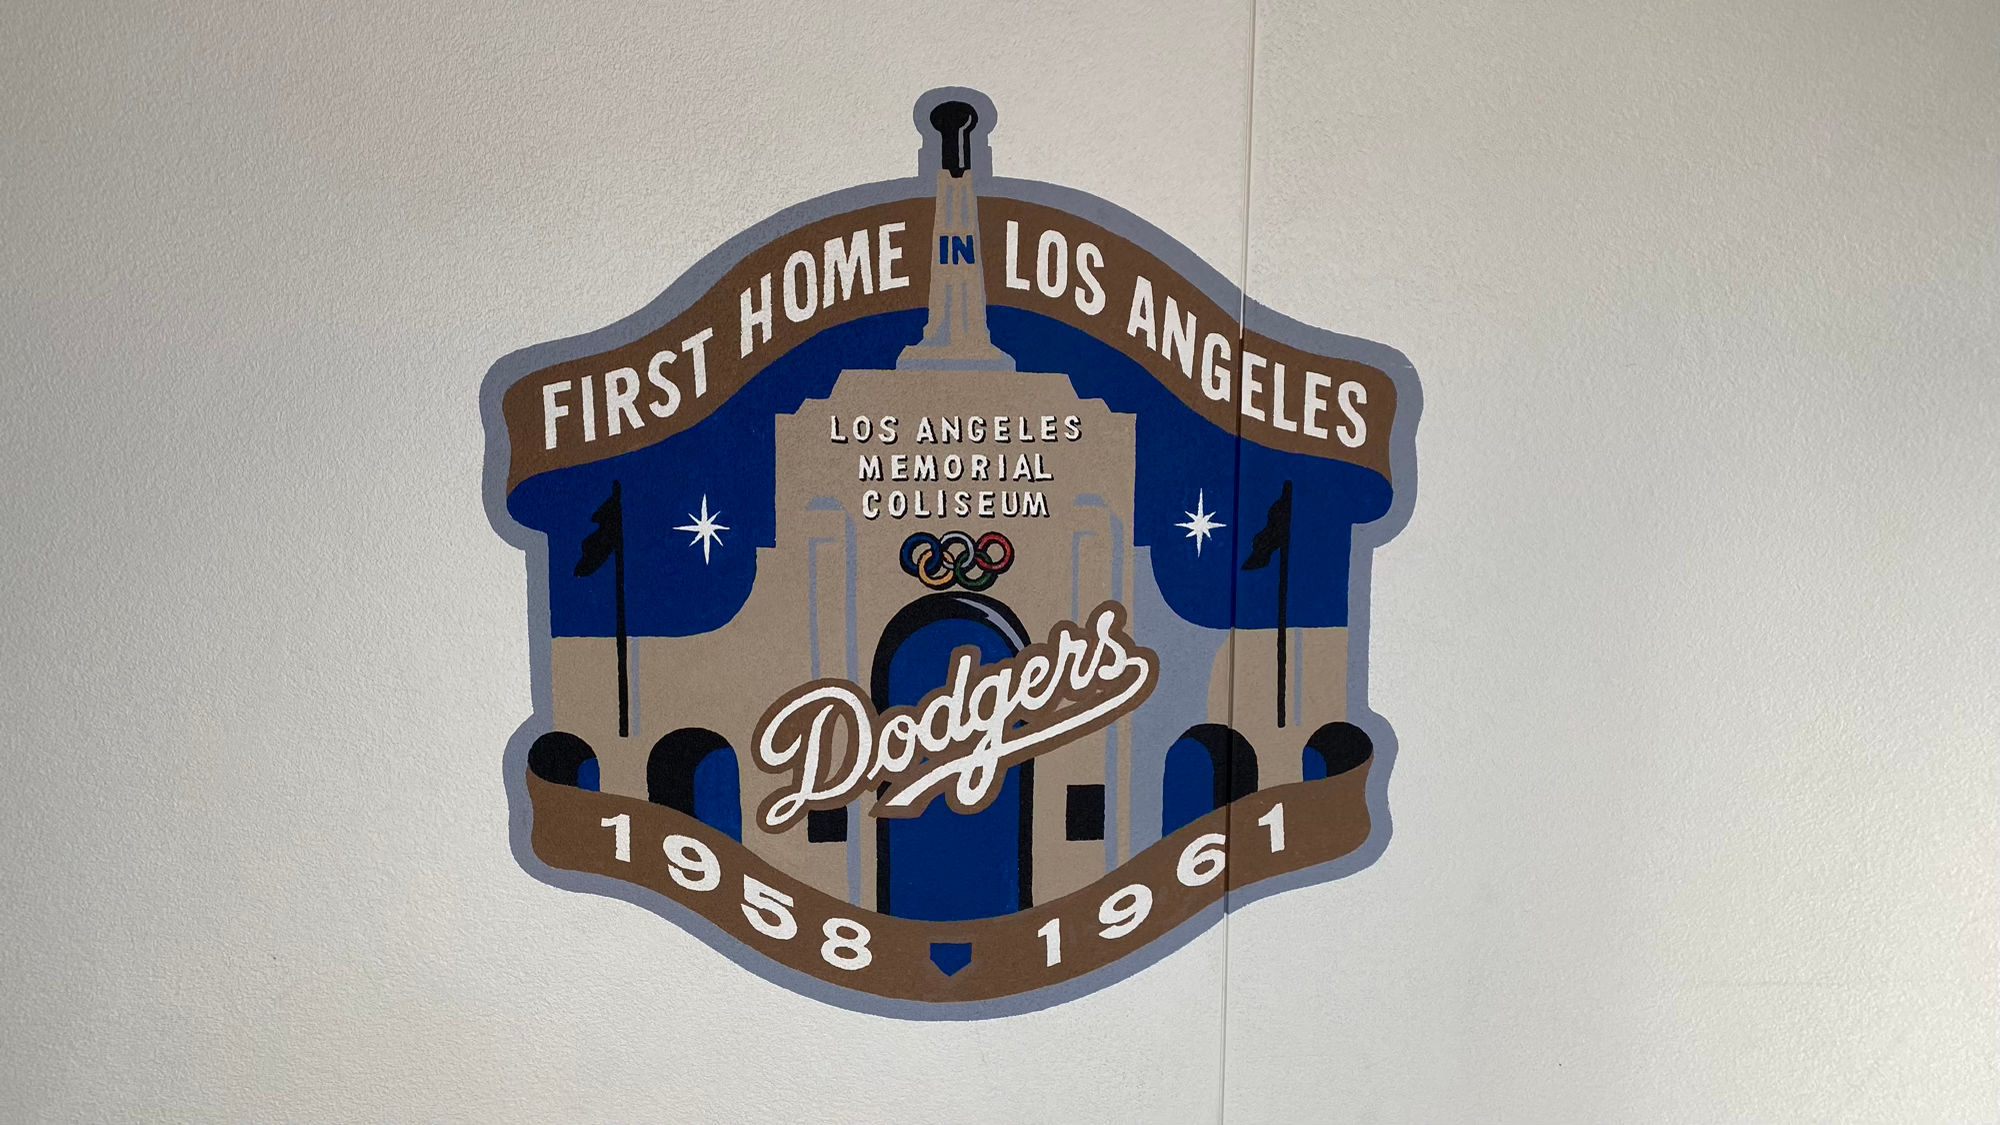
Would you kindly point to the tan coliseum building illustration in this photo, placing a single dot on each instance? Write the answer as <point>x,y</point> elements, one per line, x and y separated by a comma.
<point>951,501</point>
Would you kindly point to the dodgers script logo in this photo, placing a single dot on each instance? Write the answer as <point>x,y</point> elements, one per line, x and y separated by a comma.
<point>949,596</point>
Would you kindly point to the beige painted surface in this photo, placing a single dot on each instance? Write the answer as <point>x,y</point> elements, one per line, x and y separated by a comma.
<point>1688,644</point>
<point>1241,680</point>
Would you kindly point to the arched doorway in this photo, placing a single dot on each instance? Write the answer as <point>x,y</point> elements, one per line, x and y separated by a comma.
<point>694,770</point>
<point>1207,767</point>
<point>565,759</point>
<point>942,865</point>
<point>1334,749</point>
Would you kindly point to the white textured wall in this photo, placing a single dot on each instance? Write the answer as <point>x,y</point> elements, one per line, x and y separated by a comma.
<point>1690,642</point>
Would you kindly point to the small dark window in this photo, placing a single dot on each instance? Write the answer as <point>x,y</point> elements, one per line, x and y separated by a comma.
<point>826,826</point>
<point>1083,818</point>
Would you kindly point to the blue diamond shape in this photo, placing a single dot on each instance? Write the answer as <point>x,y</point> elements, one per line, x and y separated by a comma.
<point>951,956</point>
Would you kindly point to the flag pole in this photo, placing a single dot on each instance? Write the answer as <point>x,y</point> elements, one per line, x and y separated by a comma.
<point>1284,579</point>
<point>618,580</point>
<point>1276,538</point>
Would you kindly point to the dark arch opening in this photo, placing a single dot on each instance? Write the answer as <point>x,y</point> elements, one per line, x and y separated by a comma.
<point>942,865</point>
<point>1207,767</point>
<point>1334,749</point>
<point>563,758</point>
<point>929,610</point>
<point>694,770</point>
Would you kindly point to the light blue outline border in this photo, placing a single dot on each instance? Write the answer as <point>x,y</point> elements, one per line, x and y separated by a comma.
<point>696,281</point>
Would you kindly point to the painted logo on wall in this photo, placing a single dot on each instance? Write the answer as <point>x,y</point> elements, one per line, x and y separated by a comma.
<point>950,595</point>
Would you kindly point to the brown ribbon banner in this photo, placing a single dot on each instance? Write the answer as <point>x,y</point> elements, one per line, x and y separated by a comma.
<point>875,262</point>
<point>877,259</point>
<point>1271,393</point>
<point>1267,833</point>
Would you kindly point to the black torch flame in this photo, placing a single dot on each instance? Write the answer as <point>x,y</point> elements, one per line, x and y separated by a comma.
<point>954,122</point>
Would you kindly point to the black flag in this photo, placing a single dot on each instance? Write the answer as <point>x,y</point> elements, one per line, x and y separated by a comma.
<point>1276,539</point>
<point>1277,533</point>
<point>608,542</point>
<point>609,536</point>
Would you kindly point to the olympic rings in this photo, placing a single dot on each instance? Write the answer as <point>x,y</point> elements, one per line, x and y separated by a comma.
<point>955,558</point>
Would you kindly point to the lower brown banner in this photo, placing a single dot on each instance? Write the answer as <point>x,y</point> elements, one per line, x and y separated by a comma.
<point>1265,834</point>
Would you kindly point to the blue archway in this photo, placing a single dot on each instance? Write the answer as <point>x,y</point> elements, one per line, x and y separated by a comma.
<point>565,759</point>
<point>1207,767</point>
<point>694,770</point>
<point>943,865</point>
<point>1333,750</point>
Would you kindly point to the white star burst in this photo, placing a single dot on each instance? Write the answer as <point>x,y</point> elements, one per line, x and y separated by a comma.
<point>1201,524</point>
<point>705,529</point>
